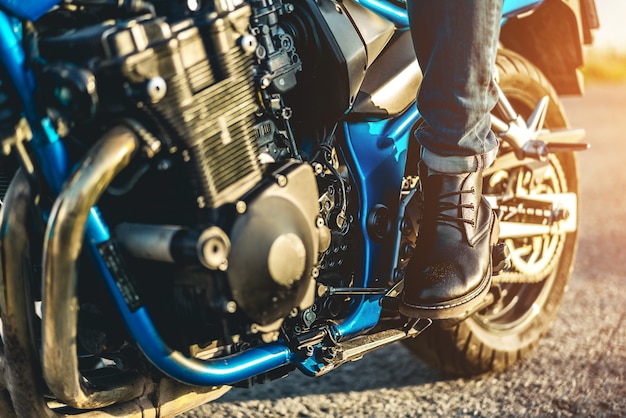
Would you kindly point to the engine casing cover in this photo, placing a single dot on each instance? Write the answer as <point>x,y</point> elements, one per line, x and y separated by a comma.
<point>275,244</point>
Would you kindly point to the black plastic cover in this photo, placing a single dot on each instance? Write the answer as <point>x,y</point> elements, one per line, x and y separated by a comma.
<point>391,83</point>
<point>334,61</point>
<point>375,31</point>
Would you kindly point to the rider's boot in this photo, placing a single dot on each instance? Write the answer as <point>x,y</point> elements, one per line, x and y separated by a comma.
<point>450,274</point>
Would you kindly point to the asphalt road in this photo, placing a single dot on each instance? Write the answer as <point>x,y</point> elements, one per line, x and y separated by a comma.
<point>578,370</point>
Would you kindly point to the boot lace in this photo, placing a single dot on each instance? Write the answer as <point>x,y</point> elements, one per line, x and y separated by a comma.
<point>445,205</point>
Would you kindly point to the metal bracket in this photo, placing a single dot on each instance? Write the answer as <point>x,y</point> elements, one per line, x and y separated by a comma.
<point>22,134</point>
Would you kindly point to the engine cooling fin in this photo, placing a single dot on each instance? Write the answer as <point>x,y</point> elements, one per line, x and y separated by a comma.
<point>217,130</point>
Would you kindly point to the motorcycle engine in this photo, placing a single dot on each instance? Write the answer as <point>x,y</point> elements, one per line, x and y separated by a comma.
<point>191,80</point>
<point>207,85</point>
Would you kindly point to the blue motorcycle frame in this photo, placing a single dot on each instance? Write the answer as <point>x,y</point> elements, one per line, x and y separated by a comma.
<point>375,153</point>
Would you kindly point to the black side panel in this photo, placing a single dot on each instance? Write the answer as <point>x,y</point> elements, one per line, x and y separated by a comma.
<point>375,30</point>
<point>391,83</point>
<point>333,61</point>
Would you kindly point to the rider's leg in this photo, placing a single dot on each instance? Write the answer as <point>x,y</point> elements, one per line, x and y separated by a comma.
<point>455,42</point>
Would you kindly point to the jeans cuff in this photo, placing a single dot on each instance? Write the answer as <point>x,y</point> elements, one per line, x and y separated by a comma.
<point>458,164</point>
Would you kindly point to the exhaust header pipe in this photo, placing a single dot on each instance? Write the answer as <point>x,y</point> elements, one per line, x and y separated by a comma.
<point>62,247</point>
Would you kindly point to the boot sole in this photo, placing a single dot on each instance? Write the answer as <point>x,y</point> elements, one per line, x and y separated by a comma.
<point>454,308</point>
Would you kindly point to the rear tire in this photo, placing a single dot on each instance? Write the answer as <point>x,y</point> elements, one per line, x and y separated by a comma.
<point>533,288</point>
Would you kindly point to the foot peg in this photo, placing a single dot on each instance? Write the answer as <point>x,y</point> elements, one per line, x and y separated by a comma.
<point>500,258</point>
<point>357,347</point>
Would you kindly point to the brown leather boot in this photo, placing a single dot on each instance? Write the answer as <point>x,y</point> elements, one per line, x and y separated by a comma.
<point>450,272</point>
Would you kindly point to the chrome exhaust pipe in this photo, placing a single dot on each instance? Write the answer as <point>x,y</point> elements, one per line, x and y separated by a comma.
<point>20,360</point>
<point>62,248</point>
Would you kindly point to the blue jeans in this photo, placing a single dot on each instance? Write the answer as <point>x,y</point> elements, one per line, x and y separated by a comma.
<point>455,43</point>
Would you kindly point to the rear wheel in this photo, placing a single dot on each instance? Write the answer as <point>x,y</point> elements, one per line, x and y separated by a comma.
<point>533,287</point>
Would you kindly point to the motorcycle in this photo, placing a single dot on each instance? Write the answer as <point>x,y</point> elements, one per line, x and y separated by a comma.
<point>208,194</point>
